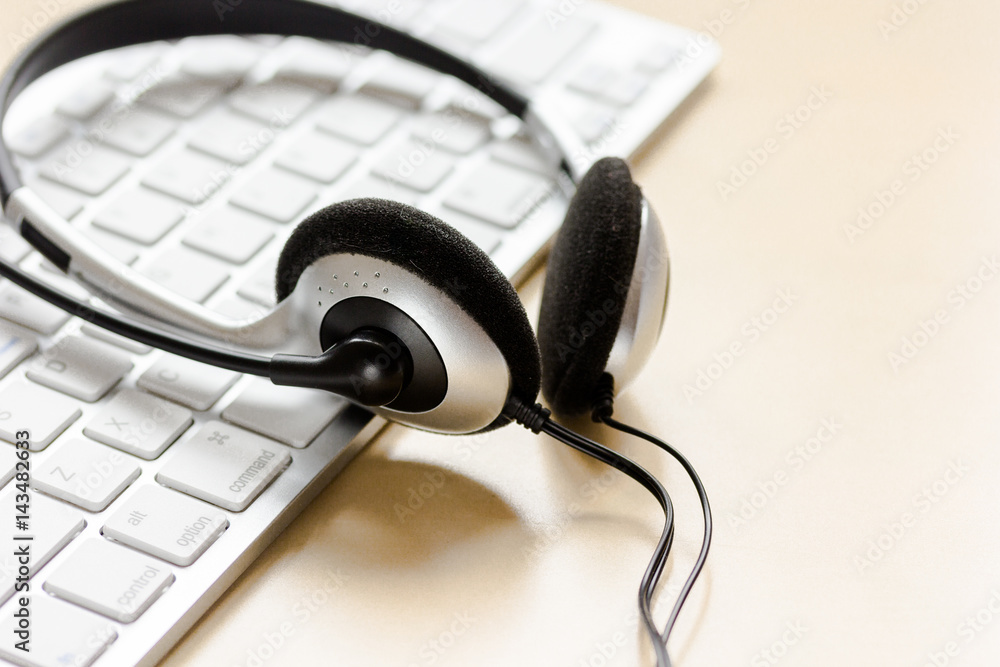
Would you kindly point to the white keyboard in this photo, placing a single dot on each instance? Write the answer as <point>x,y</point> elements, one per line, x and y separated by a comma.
<point>157,480</point>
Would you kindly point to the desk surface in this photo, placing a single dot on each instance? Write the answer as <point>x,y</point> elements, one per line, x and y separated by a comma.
<point>849,448</point>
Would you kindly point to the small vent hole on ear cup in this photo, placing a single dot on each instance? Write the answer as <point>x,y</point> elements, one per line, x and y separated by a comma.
<point>427,247</point>
<point>587,283</point>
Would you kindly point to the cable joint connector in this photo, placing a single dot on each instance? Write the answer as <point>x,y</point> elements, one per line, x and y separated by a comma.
<point>531,417</point>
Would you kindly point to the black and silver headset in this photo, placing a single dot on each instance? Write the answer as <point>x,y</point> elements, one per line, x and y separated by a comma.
<point>379,302</point>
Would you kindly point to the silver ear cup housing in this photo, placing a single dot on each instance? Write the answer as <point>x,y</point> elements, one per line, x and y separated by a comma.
<point>646,304</point>
<point>478,378</point>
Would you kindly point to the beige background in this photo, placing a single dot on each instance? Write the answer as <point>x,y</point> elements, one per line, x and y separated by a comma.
<point>491,553</point>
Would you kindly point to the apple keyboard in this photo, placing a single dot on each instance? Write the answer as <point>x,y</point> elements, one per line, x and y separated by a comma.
<point>156,480</point>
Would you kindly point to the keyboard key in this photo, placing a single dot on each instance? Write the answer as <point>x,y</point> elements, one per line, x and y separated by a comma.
<point>16,345</point>
<point>189,176</point>
<point>81,367</point>
<point>318,65</point>
<point>86,474</point>
<point>275,194</point>
<point>187,382</point>
<point>140,131</point>
<point>658,56</point>
<point>416,164</point>
<point>231,137</point>
<point>318,156</point>
<point>166,524</point>
<point>626,89</point>
<point>402,82</point>
<point>592,79</point>
<point>399,14</point>
<point>609,84</point>
<point>94,174</point>
<point>189,274</point>
<point>62,634</point>
<point>39,136</point>
<point>224,465</point>
<point>475,21</point>
<point>291,415</point>
<point>537,51</point>
<point>520,152</point>
<point>230,235</point>
<point>109,579</point>
<point>500,194</point>
<point>124,251</point>
<point>86,101</point>
<point>260,287</point>
<point>363,120</point>
<point>139,424</point>
<point>183,98</point>
<point>114,339</point>
<point>593,122</point>
<point>29,311</point>
<point>381,188</point>
<point>64,202</point>
<point>60,281</point>
<point>8,459</point>
<point>131,61</point>
<point>218,57</point>
<point>53,525</point>
<point>140,215</point>
<point>453,129</point>
<point>12,247</point>
<point>281,101</point>
<point>45,413</point>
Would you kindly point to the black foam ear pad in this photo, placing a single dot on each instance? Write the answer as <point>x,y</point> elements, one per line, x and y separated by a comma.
<point>589,272</point>
<point>416,241</point>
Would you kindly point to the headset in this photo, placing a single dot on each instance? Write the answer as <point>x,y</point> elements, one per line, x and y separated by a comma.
<point>384,304</point>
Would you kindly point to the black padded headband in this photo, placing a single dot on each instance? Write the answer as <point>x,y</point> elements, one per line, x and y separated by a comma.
<point>128,22</point>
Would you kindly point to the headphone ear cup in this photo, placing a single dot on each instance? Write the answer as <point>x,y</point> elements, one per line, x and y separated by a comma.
<point>440,255</point>
<point>587,284</point>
